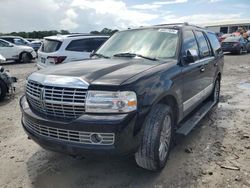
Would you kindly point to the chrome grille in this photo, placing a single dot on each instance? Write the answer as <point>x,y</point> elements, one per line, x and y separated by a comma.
<point>69,135</point>
<point>56,101</point>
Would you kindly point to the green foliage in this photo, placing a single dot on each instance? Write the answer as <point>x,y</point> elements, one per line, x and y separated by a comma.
<point>42,34</point>
<point>37,34</point>
<point>104,31</point>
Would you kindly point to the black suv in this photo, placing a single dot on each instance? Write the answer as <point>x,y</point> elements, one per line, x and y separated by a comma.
<point>138,89</point>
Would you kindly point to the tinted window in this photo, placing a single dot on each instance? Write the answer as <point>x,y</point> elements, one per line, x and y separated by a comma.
<point>189,41</point>
<point>85,45</point>
<point>3,44</point>
<point>203,46</point>
<point>9,39</point>
<point>214,42</point>
<point>50,45</point>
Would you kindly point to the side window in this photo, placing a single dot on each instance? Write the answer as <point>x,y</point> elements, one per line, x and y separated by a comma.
<point>3,44</point>
<point>96,43</point>
<point>203,45</point>
<point>214,43</point>
<point>189,41</point>
<point>81,45</point>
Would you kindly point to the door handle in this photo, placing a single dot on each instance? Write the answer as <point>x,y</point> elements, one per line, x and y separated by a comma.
<point>202,69</point>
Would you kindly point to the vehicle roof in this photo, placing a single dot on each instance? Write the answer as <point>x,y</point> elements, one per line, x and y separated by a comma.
<point>10,36</point>
<point>184,25</point>
<point>74,36</point>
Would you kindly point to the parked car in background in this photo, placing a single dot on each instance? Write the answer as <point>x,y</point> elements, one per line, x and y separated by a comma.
<point>15,52</point>
<point>2,59</point>
<point>139,88</point>
<point>223,37</point>
<point>36,44</point>
<point>67,48</point>
<point>19,41</point>
<point>235,45</point>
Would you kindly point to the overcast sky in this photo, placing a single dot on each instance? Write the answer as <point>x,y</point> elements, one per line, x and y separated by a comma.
<point>88,15</point>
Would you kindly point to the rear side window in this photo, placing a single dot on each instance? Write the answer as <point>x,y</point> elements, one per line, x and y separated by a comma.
<point>3,44</point>
<point>9,40</point>
<point>85,45</point>
<point>189,41</point>
<point>204,48</point>
<point>50,45</point>
<point>214,43</point>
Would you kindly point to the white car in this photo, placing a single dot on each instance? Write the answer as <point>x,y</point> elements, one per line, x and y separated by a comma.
<point>66,48</point>
<point>2,59</point>
<point>15,52</point>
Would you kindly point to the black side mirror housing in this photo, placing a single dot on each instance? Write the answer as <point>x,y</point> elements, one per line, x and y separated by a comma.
<point>191,56</point>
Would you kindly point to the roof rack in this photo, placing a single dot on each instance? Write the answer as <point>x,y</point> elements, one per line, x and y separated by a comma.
<point>182,23</point>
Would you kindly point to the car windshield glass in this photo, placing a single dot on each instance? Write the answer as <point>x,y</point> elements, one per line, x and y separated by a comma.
<point>232,39</point>
<point>158,43</point>
<point>50,45</point>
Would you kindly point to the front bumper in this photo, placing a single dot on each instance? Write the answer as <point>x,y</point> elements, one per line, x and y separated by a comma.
<point>121,125</point>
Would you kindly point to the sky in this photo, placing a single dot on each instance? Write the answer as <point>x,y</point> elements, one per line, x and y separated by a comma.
<point>89,15</point>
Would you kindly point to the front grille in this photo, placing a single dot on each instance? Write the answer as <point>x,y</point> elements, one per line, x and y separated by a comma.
<point>69,135</point>
<point>56,101</point>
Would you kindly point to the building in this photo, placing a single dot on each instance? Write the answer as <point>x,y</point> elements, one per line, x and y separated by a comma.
<point>229,26</point>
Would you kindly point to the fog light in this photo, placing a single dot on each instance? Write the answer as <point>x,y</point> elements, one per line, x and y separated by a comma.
<point>96,138</point>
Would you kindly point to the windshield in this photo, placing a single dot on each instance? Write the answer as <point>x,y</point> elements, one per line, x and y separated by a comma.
<point>153,43</point>
<point>50,45</point>
<point>232,39</point>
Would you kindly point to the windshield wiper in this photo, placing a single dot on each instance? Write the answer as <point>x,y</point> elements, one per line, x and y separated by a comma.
<point>127,54</point>
<point>99,55</point>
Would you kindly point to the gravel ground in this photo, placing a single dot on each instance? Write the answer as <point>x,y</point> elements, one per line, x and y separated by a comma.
<point>215,154</point>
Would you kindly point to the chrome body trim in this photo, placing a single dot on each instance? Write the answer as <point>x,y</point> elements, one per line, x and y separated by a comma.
<point>80,137</point>
<point>56,101</point>
<point>196,98</point>
<point>59,81</point>
<point>202,60</point>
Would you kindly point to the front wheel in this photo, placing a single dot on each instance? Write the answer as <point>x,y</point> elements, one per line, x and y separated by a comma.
<point>157,138</point>
<point>216,92</point>
<point>3,90</point>
<point>25,57</point>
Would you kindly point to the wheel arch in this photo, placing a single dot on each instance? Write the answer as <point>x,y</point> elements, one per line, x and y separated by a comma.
<point>20,54</point>
<point>172,102</point>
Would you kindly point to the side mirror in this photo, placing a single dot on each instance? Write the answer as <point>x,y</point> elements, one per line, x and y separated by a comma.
<point>191,56</point>
<point>11,45</point>
<point>92,53</point>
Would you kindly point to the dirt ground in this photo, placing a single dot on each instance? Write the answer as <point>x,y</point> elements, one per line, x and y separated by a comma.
<point>215,154</point>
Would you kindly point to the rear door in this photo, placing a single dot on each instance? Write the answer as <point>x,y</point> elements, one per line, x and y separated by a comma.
<point>192,75</point>
<point>207,58</point>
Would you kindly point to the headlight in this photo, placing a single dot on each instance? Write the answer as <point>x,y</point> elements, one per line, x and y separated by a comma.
<point>110,102</point>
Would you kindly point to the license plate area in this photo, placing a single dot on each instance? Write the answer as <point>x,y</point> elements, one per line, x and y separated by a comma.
<point>43,60</point>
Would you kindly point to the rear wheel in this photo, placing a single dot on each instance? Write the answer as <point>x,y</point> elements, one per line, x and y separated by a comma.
<point>25,57</point>
<point>157,138</point>
<point>3,90</point>
<point>215,96</point>
<point>240,51</point>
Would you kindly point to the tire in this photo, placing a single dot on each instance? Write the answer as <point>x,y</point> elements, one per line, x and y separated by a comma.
<point>215,96</point>
<point>157,138</point>
<point>25,57</point>
<point>240,51</point>
<point>3,90</point>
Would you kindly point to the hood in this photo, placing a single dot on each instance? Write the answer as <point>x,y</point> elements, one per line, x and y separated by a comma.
<point>102,71</point>
<point>27,48</point>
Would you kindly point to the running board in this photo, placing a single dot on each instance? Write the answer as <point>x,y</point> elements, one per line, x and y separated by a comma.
<point>187,126</point>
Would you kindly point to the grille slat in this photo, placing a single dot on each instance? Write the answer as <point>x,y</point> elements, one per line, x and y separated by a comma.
<point>68,135</point>
<point>56,101</point>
